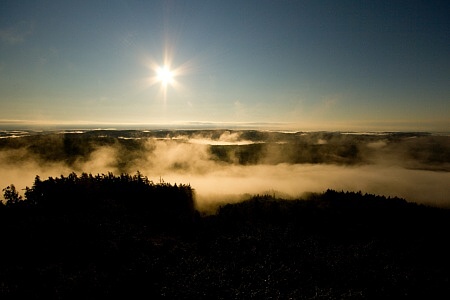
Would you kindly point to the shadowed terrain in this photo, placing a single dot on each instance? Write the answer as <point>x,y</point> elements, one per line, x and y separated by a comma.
<point>100,236</point>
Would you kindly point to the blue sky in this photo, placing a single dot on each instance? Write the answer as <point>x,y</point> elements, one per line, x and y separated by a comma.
<point>305,65</point>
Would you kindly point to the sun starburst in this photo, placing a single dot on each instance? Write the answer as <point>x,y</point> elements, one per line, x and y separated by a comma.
<point>164,75</point>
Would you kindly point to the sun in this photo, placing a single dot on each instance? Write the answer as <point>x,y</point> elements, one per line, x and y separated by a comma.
<point>164,75</point>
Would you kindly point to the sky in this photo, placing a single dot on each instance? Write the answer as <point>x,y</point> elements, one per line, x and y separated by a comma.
<point>303,65</point>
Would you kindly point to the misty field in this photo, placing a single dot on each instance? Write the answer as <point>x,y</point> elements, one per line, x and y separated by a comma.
<point>227,214</point>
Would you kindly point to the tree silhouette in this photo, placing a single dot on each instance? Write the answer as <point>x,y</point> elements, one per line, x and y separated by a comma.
<point>11,195</point>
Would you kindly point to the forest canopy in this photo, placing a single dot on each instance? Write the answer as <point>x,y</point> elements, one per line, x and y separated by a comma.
<point>124,235</point>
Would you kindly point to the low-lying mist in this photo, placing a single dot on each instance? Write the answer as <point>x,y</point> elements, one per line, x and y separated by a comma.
<point>224,166</point>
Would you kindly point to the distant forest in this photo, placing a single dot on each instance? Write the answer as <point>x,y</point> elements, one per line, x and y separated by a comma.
<point>100,236</point>
<point>416,150</point>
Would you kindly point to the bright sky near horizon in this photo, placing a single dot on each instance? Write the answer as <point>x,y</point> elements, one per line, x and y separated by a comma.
<point>308,65</point>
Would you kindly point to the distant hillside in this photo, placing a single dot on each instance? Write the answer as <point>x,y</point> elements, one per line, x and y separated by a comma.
<point>244,147</point>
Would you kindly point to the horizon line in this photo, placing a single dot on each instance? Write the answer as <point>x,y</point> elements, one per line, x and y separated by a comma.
<point>351,126</point>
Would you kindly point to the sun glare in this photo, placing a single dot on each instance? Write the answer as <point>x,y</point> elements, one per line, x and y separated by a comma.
<point>164,75</point>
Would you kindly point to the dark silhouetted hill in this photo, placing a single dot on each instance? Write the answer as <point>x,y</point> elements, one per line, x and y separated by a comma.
<point>104,236</point>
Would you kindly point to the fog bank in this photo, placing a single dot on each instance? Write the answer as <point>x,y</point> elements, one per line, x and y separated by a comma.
<point>226,177</point>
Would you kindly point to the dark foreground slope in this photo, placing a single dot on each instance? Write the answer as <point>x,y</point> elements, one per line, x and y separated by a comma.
<point>92,237</point>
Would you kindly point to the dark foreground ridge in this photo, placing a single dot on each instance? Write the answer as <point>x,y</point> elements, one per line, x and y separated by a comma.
<point>103,236</point>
